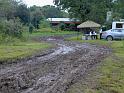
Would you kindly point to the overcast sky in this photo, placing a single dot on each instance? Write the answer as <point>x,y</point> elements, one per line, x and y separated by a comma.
<point>38,2</point>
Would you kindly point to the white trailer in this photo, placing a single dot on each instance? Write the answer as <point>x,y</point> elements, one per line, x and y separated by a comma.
<point>117,25</point>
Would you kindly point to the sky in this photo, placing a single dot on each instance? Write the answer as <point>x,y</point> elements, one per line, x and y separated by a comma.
<point>38,2</point>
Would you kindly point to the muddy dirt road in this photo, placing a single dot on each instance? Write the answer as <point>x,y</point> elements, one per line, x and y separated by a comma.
<point>52,71</point>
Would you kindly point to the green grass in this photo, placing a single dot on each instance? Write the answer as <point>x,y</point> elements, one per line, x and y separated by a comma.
<point>21,50</point>
<point>112,79</point>
<point>79,39</point>
<point>50,32</point>
<point>25,46</point>
<point>109,77</point>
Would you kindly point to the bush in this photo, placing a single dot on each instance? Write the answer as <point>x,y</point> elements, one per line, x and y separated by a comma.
<point>31,28</point>
<point>44,24</point>
<point>62,26</point>
<point>10,31</point>
<point>11,28</point>
<point>7,40</point>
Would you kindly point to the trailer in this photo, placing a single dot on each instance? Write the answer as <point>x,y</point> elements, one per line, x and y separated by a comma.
<point>118,25</point>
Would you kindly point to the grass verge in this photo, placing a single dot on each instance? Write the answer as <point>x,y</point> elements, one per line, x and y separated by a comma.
<point>109,76</point>
<point>21,50</point>
<point>50,32</point>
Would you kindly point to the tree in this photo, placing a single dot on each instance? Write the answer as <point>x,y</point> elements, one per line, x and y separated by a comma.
<point>53,12</point>
<point>44,23</point>
<point>87,9</point>
<point>35,16</point>
<point>9,24</point>
<point>11,28</point>
<point>30,28</point>
<point>7,8</point>
<point>23,13</point>
<point>118,10</point>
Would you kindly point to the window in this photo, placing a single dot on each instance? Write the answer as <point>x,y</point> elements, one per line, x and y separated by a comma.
<point>119,25</point>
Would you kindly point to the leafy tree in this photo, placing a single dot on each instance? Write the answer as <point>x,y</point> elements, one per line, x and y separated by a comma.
<point>118,10</point>
<point>36,16</point>
<point>30,28</point>
<point>23,13</point>
<point>11,28</point>
<point>52,12</point>
<point>7,8</point>
<point>92,9</point>
<point>44,24</point>
<point>9,24</point>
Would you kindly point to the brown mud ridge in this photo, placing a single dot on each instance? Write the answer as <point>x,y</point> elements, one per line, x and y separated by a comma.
<point>53,72</point>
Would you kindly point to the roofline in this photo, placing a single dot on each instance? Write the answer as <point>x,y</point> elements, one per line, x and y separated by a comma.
<point>67,22</point>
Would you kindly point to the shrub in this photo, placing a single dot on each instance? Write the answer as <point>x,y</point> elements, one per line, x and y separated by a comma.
<point>10,31</point>
<point>12,28</point>
<point>31,28</point>
<point>44,24</point>
<point>62,26</point>
<point>7,40</point>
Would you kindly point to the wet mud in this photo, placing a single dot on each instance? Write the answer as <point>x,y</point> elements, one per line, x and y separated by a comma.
<point>51,72</point>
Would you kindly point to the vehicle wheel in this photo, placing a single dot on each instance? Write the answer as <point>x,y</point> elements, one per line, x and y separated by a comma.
<point>109,38</point>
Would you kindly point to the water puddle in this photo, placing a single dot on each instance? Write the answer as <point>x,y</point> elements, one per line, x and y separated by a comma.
<point>51,39</point>
<point>63,50</point>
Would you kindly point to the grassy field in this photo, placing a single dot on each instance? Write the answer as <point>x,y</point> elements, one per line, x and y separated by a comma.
<point>50,32</point>
<point>107,78</point>
<point>27,47</point>
<point>21,49</point>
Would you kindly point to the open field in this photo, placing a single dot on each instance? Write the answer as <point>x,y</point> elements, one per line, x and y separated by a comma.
<point>52,72</point>
<point>28,47</point>
<point>50,32</point>
<point>21,49</point>
<point>81,66</point>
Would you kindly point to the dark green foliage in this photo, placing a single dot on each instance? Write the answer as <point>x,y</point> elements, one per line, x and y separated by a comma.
<point>38,14</point>
<point>44,24</point>
<point>72,26</point>
<point>30,28</point>
<point>92,9</point>
<point>62,26</point>
<point>23,13</point>
<point>53,12</point>
<point>35,16</point>
<point>11,28</point>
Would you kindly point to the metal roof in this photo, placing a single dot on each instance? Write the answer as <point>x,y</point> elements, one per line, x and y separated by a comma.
<point>62,19</point>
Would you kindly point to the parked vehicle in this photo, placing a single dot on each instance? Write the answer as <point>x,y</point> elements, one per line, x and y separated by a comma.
<point>118,25</point>
<point>113,34</point>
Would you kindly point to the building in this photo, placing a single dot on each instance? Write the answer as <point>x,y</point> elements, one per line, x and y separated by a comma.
<point>56,21</point>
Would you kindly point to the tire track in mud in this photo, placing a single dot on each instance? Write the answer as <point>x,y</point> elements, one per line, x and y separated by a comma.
<point>52,73</point>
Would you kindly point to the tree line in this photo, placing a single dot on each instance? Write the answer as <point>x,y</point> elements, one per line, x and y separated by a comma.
<point>14,15</point>
<point>93,9</point>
